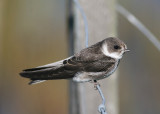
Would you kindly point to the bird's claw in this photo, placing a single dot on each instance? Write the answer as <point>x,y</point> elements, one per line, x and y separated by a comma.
<point>96,84</point>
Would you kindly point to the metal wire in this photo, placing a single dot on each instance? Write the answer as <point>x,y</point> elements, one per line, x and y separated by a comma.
<point>85,20</point>
<point>101,108</point>
<point>139,25</point>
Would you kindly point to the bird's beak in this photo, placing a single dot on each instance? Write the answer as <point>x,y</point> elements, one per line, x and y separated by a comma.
<point>127,50</point>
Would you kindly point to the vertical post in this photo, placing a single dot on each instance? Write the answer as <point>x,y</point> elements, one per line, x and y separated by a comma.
<point>73,87</point>
<point>101,18</point>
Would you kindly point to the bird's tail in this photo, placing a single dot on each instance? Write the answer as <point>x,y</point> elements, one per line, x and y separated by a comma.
<point>37,75</point>
<point>47,72</point>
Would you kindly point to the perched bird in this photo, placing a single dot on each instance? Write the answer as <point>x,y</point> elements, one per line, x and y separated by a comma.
<point>90,64</point>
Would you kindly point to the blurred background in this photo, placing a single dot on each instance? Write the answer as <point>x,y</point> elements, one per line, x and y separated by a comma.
<point>139,78</point>
<point>34,33</point>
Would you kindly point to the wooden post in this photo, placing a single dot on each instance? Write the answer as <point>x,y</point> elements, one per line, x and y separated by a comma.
<point>73,87</point>
<point>101,18</point>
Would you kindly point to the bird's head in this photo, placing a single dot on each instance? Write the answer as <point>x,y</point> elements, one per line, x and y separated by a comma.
<point>114,47</point>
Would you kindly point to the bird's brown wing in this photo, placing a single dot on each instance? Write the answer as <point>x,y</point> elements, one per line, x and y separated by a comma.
<point>79,64</point>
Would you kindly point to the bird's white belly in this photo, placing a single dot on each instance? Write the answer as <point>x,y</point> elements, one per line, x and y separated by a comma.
<point>87,76</point>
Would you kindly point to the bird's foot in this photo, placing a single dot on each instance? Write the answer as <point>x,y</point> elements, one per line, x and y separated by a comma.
<point>95,84</point>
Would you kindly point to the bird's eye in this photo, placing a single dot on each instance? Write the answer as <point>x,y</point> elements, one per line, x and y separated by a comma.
<point>117,47</point>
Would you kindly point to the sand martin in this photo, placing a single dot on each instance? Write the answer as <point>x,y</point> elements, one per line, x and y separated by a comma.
<point>90,64</point>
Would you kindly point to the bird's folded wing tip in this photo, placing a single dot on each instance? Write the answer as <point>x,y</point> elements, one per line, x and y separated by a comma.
<point>35,82</point>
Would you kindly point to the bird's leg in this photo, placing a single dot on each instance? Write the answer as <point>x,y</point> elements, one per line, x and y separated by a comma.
<point>95,84</point>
